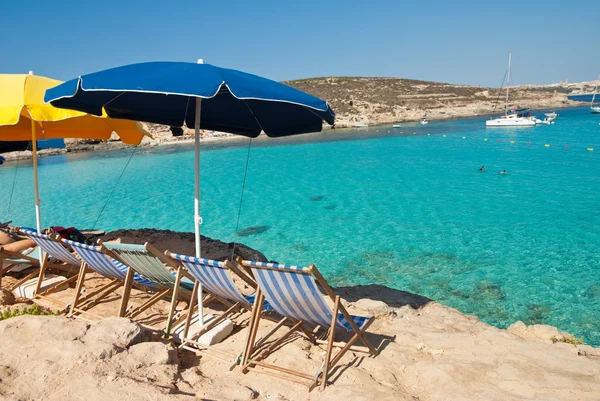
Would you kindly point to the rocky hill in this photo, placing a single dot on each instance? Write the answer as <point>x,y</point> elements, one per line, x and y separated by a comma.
<point>361,100</point>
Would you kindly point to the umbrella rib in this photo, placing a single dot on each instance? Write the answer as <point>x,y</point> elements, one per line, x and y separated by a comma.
<point>112,100</point>
<point>186,111</point>
<point>253,115</point>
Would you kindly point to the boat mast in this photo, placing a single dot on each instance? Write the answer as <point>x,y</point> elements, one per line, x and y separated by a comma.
<point>507,86</point>
<point>594,95</point>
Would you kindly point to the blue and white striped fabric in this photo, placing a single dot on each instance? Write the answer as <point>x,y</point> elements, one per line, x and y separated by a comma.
<point>215,278</point>
<point>293,292</point>
<point>104,264</point>
<point>53,248</point>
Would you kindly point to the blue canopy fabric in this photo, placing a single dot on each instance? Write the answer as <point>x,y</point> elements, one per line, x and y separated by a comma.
<point>165,92</point>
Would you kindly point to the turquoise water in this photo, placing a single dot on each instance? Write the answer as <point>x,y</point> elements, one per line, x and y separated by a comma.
<point>408,211</point>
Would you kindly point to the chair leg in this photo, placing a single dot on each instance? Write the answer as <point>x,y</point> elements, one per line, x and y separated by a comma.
<point>173,302</point>
<point>190,313</point>
<point>254,322</point>
<point>346,347</point>
<point>41,277</point>
<point>126,291</point>
<point>359,332</point>
<point>330,343</point>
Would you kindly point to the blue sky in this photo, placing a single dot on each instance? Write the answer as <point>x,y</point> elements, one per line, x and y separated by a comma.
<point>463,42</point>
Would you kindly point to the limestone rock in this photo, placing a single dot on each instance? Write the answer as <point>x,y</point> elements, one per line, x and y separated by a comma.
<point>112,335</point>
<point>152,353</point>
<point>375,308</point>
<point>544,332</point>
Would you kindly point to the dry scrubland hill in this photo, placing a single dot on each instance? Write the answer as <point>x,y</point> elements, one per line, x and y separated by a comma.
<point>386,100</point>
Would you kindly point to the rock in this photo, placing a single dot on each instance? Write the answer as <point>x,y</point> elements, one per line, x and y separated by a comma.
<point>590,352</point>
<point>152,353</point>
<point>544,332</point>
<point>113,335</point>
<point>376,308</point>
<point>6,297</point>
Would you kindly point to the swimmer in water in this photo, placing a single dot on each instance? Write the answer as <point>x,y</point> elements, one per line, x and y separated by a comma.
<point>502,172</point>
<point>482,169</point>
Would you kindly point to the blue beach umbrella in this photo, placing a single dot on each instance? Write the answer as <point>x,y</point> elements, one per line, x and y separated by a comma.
<point>199,95</point>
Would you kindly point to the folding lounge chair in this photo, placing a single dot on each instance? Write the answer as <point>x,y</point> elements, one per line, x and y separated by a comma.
<point>53,250</point>
<point>12,259</point>
<point>216,279</point>
<point>95,258</point>
<point>156,267</point>
<point>292,291</point>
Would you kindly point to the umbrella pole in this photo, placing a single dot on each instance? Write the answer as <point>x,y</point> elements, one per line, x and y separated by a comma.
<point>197,218</point>
<point>35,178</point>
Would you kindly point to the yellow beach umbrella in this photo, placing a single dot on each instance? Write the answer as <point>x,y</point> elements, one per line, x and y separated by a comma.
<point>25,116</point>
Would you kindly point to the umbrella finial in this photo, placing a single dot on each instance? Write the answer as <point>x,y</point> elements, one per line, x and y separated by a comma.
<point>30,72</point>
<point>200,61</point>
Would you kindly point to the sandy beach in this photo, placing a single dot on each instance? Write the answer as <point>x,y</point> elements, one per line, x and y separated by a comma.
<point>427,352</point>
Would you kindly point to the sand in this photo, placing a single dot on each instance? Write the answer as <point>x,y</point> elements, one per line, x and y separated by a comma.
<point>427,352</point>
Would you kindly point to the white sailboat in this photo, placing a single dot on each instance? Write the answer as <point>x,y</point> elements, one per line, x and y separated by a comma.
<point>595,109</point>
<point>514,118</point>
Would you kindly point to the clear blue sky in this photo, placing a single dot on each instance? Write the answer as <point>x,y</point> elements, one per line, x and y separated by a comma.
<point>450,41</point>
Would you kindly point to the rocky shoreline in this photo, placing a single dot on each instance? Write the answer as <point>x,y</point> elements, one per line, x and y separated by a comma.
<point>427,352</point>
<point>370,101</point>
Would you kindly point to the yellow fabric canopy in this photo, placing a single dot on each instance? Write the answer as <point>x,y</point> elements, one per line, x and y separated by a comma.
<point>22,100</point>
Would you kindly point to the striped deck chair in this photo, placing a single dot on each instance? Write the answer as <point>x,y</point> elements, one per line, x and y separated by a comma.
<point>292,291</point>
<point>155,266</point>
<point>216,279</point>
<point>11,259</point>
<point>56,252</point>
<point>120,275</point>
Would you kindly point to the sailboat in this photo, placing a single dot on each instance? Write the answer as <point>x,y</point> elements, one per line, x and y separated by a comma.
<point>595,109</point>
<point>511,118</point>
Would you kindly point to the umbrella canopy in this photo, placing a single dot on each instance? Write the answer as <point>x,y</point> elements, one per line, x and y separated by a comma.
<point>165,93</point>
<point>22,102</point>
<point>197,95</point>
<point>25,116</point>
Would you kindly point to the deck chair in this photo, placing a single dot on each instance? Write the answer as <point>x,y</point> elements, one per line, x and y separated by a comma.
<point>292,291</point>
<point>54,252</point>
<point>216,279</point>
<point>95,258</point>
<point>155,266</point>
<point>11,259</point>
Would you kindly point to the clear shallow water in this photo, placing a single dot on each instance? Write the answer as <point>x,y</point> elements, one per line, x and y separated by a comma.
<point>407,211</point>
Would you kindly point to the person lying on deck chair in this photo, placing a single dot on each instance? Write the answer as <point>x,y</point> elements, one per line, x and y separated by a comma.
<point>14,243</point>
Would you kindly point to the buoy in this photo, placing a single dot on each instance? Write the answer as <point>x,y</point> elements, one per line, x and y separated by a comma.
<point>566,147</point>
<point>591,149</point>
<point>547,145</point>
<point>444,136</point>
<point>485,139</point>
<point>512,142</point>
<point>464,137</point>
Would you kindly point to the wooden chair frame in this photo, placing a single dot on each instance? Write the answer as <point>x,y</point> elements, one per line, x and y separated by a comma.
<point>232,308</point>
<point>18,258</point>
<point>253,356</point>
<point>174,292</point>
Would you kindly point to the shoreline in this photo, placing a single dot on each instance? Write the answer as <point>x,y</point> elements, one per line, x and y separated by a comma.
<point>223,140</point>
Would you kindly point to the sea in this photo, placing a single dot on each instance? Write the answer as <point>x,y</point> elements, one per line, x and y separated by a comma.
<point>407,208</point>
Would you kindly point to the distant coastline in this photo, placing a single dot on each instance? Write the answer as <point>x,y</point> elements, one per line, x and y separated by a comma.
<point>161,138</point>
